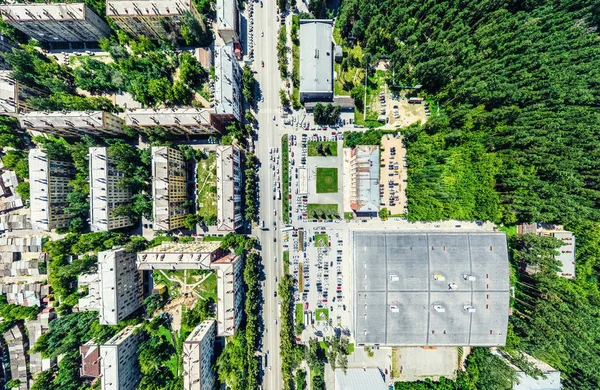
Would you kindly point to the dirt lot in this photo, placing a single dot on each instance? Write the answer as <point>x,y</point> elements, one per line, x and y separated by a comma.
<point>419,363</point>
<point>409,113</point>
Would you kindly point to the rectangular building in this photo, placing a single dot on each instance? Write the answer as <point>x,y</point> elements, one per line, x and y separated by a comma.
<point>105,193</point>
<point>228,84</point>
<point>25,294</point>
<point>49,187</point>
<point>14,95</point>
<point>155,19</point>
<point>73,123</point>
<point>119,367</point>
<point>316,60</point>
<point>17,346</point>
<point>90,359</point>
<point>198,352</point>
<point>56,22</point>
<point>180,121</point>
<point>364,179</point>
<point>169,188</point>
<point>35,329</point>
<point>116,290</point>
<point>228,24</point>
<point>178,256</point>
<point>430,288</point>
<point>229,188</point>
<point>230,293</point>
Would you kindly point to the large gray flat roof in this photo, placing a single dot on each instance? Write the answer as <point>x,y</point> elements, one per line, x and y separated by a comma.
<point>316,55</point>
<point>400,279</point>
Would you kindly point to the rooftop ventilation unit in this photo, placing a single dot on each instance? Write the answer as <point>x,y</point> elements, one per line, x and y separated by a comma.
<point>394,278</point>
<point>469,277</point>
<point>439,277</point>
<point>394,309</point>
<point>452,286</point>
<point>439,308</point>
<point>469,309</point>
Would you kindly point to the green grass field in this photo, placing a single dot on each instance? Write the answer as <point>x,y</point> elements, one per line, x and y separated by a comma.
<point>322,314</point>
<point>207,187</point>
<point>327,180</point>
<point>322,211</point>
<point>300,313</point>
<point>313,145</point>
<point>321,240</point>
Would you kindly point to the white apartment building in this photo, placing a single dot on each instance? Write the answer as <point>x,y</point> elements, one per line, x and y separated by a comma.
<point>119,368</point>
<point>228,84</point>
<point>168,188</point>
<point>230,293</point>
<point>180,121</point>
<point>155,19</point>
<point>228,21</point>
<point>56,22</point>
<point>73,123</point>
<point>198,352</point>
<point>14,95</point>
<point>49,187</point>
<point>105,194</point>
<point>116,289</point>
<point>229,188</point>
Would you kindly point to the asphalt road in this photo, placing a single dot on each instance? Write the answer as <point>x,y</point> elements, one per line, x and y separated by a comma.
<point>269,136</point>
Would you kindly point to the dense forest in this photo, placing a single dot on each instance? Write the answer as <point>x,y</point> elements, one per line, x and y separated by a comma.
<point>516,140</point>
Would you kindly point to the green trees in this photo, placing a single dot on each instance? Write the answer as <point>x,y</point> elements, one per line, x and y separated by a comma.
<point>17,160</point>
<point>252,309</point>
<point>192,31</point>
<point>248,85</point>
<point>11,313</point>
<point>251,194</point>
<point>232,363</point>
<point>10,134</point>
<point>284,98</point>
<point>282,51</point>
<point>157,357</point>
<point>327,114</point>
<point>291,354</point>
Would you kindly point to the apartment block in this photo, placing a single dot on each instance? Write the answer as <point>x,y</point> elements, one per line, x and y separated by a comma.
<point>14,95</point>
<point>49,187</point>
<point>229,188</point>
<point>6,46</point>
<point>56,22</point>
<point>198,352</point>
<point>116,289</point>
<point>228,24</point>
<point>180,121</point>
<point>119,368</point>
<point>105,193</point>
<point>156,19</point>
<point>17,346</point>
<point>204,255</point>
<point>228,84</point>
<point>168,188</point>
<point>73,123</point>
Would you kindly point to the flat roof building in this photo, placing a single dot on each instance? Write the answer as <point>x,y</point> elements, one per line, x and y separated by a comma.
<point>229,188</point>
<point>549,380</point>
<point>364,179</point>
<point>228,24</point>
<point>116,289</point>
<point>430,289</point>
<point>181,121</point>
<point>359,379</point>
<point>56,22</point>
<point>198,353</point>
<point>49,187</point>
<point>204,255</point>
<point>169,188</point>
<point>228,84</point>
<point>90,359</point>
<point>155,19</point>
<point>118,356</point>
<point>105,194</point>
<point>14,95</point>
<point>316,60</point>
<point>73,123</point>
<point>17,346</point>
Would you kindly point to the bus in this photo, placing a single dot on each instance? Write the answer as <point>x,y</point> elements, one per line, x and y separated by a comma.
<point>287,228</point>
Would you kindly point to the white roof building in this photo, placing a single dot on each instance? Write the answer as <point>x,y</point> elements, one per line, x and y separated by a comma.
<point>190,121</point>
<point>228,83</point>
<point>229,188</point>
<point>119,367</point>
<point>359,379</point>
<point>316,59</point>
<point>198,352</point>
<point>73,123</point>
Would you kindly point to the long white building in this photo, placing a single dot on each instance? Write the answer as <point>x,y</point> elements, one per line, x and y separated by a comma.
<point>116,289</point>
<point>73,123</point>
<point>105,193</point>
<point>49,187</point>
<point>198,352</point>
<point>229,188</point>
<point>228,83</point>
<point>119,368</point>
<point>181,121</point>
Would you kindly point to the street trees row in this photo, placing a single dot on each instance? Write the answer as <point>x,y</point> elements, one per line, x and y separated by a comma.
<point>251,187</point>
<point>291,354</point>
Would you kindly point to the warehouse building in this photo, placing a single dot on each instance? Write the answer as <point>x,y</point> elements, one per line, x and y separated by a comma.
<point>169,188</point>
<point>14,95</point>
<point>105,193</point>
<point>198,353</point>
<point>73,123</point>
<point>430,289</point>
<point>316,60</point>
<point>179,121</point>
<point>364,180</point>
<point>229,188</point>
<point>119,366</point>
<point>56,22</point>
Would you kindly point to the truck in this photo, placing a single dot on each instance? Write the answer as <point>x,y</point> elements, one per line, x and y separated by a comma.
<point>278,194</point>
<point>415,100</point>
<point>287,228</point>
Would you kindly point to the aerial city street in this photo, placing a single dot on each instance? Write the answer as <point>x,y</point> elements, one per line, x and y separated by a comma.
<point>315,195</point>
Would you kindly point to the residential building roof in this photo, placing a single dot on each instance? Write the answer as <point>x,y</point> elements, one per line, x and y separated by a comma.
<point>147,7</point>
<point>169,117</point>
<point>46,11</point>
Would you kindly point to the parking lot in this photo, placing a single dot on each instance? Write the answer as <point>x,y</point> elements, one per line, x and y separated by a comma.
<point>393,178</point>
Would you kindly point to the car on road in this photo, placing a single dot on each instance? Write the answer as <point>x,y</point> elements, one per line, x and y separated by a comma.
<point>262,63</point>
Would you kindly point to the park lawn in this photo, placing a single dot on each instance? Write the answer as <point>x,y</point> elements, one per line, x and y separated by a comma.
<point>207,187</point>
<point>313,145</point>
<point>316,210</point>
<point>208,288</point>
<point>322,312</point>
<point>319,238</point>
<point>327,180</point>
<point>286,262</point>
<point>300,314</point>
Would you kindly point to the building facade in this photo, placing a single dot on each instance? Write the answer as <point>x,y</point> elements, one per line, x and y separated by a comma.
<point>116,290</point>
<point>228,84</point>
<point>169,188</point>
<point>229,188</point>
<point>364,179</point>
<point>157,19</point>
<point>180,121</point>
<point>118,356</point>
<point>56,22</point>
<point>105,193</point>
<point>198,353</point>
<point>73,123</point>
<point>14,95</point>
<point>49,187</point>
